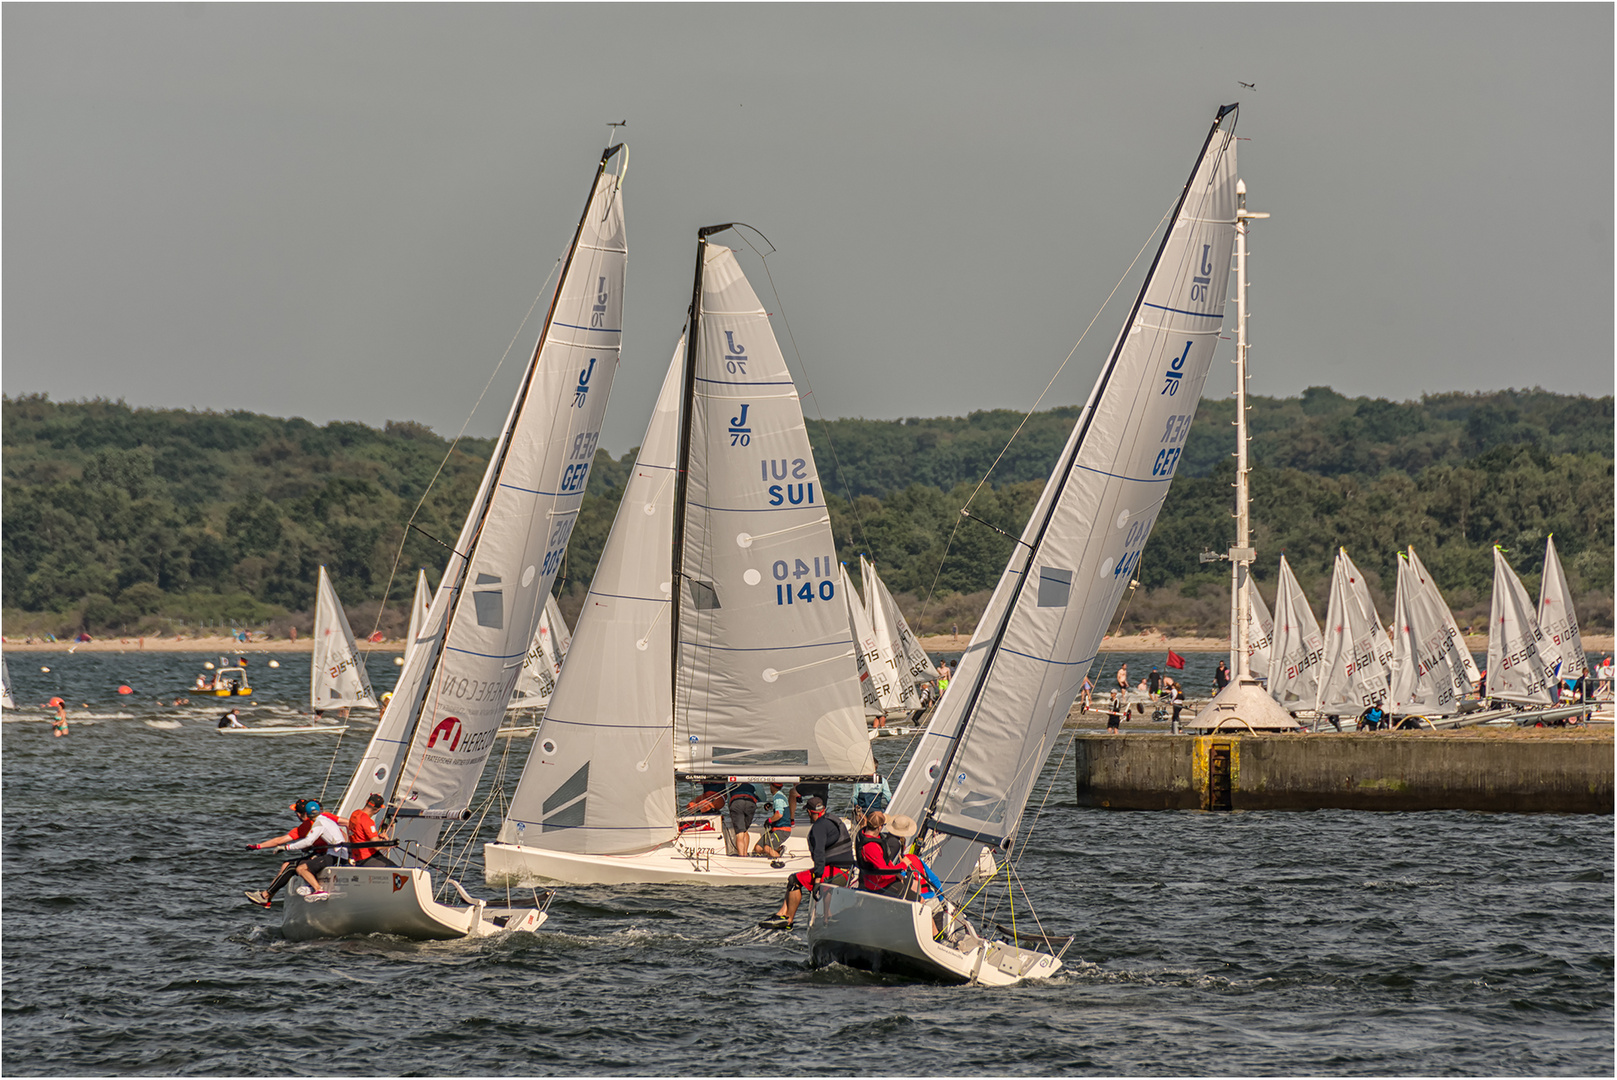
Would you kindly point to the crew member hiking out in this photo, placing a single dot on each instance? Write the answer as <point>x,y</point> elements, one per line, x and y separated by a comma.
<point>831,850</point>
<point>315,830</point>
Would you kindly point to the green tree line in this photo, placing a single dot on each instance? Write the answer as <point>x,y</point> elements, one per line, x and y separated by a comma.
<point>118,519</point>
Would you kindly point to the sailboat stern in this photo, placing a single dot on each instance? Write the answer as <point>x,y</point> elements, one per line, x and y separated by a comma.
<point>398,901</point>
<point>887,935</point>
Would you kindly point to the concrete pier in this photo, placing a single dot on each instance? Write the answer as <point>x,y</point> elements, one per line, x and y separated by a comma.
<point>1565,771</point>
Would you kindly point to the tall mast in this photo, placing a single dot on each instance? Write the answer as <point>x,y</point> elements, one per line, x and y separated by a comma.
<point>1060,481</point>
<point>682,464</point>
<point>1242,554</point>
<point>502,449</point>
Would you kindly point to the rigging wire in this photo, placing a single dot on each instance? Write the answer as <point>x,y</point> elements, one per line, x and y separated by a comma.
<point>949,544</point>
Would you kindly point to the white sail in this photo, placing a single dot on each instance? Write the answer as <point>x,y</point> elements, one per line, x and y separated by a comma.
<point>917,664</point>
<point>1431,669</point>
<point>542,665</point>
<point>337,675</point>
<point>1260,631</point>
<point>890,628</point>
<point>490,600</point>
<point>1516,668</point>
<point>1298,654</point>
<point>418,606</point>
<point>600,778</point>
<point>1354,674</point>
<point>765,682</point>
<point>1561,643</point>
<point>7,701</point>
<point>875,677</point>
<point>972,771</point>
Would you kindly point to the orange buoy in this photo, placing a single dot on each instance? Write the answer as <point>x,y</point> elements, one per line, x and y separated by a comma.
<point>125,690</point>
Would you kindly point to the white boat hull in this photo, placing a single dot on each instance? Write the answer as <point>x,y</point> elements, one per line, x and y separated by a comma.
<point>884,934</point>
<point>270,731</point>
<point>383,900</point>
<point>695,858</point>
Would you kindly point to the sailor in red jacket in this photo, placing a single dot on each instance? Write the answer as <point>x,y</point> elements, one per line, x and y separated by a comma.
<point>881,865</point>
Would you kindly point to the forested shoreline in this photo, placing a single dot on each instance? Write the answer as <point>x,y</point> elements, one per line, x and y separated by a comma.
<point>126,520</point>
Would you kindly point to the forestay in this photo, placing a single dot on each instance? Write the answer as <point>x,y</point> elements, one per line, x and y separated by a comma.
<point>600,777</point>
<point>766,682</point>
<point>337,675</point>
<point>973,769</point>
<point>1354,672</point>
<point>1431,669</point>
<point>1561,641</point>
<point>1299,651</point>
<point>518,530</point>
<point>1516,668</point>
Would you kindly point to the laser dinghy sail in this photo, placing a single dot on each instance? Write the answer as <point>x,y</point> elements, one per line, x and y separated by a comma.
<point>543,662</point>
<point>337,676</point>
<point>1357,650</point>
<point>975,767</point>
<point>1432,670</point>
<point>713,645</point>
<point>1562,642</point>
<point>418,606</point>
<point>429,750</point>
<point>1517,672</point>
<point>1299,650</point>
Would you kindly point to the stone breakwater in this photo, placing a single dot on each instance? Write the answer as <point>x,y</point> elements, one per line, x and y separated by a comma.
<point>1508,771</point>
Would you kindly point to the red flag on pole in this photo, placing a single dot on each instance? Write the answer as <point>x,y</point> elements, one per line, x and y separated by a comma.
<point>1175,660</point>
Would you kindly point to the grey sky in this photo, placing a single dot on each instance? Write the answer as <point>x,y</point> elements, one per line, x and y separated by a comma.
<point>346,211</point>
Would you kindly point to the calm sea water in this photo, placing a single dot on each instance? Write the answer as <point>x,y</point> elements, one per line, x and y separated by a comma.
<point>1258,944</point>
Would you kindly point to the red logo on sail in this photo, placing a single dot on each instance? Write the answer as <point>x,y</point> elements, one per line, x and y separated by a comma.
<point>448,729</point>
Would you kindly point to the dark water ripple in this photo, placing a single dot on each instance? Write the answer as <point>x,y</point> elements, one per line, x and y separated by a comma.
<point>1254,944</point>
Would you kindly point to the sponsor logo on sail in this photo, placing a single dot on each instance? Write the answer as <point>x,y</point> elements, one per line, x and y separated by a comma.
<point>448,729</point>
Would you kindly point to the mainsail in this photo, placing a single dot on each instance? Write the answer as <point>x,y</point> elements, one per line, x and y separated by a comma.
<point>765,680</point>
<point>337,675</point>
<point>1355,672</point>
<point>972,772</point>
<point>1299,651</point>
<point>1431,669</point>
<point>418,606</point>
<point>7,701</point>
<point>886,622</point>
<point>600,778</point>
<point>1516,668</point>
<point>1561,643</point>
<point>917,664</point>
<point>1260,630</point>
<point>459,676</point>
<point>543,663</point>
<point>878,675</point>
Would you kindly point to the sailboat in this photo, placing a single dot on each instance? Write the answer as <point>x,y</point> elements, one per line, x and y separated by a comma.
<point>6,699</point>
<point>713,645</point>
<point>878,668</point>
<point>337,675</point>
<point>1357,651</point>
<point>1298,653</point>
<point>1432,670</point>
<point>540,667</point>
<point>419,605</point>
<point>1517,671</point>
<point>432,742</point>
<point>1260,630</point>
<point>891,631</point>
<point>1562,642</point>
<point>973,770</point>
<point>916,666</point>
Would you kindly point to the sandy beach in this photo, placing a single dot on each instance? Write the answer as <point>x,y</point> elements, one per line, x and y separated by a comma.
<point>939,643</point>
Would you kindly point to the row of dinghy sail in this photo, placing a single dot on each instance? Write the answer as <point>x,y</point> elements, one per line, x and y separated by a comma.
<point>1420,665</point>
